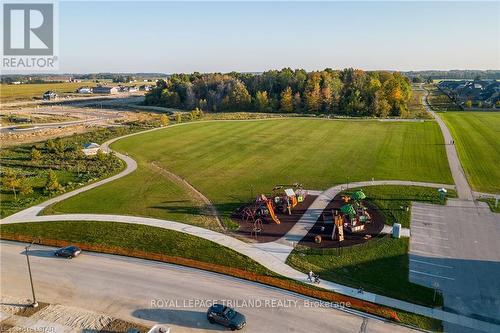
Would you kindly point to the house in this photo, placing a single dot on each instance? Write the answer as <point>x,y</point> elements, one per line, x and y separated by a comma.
<point>122,88</point>
<point>91,148</point>
<point>84,90</point>
<point>48,95</point>
<point>132,89</point>
<point>145,87</point>
<point>485,91</point>
<point>105,90</point>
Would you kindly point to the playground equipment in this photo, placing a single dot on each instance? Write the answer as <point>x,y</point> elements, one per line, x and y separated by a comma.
<point>257,228</point>
<point>283,199</point>
<point>286,197</point>
<point>355,215</point>
<point>259,209</point>
<point>270,209</point>
<point>338,227</point>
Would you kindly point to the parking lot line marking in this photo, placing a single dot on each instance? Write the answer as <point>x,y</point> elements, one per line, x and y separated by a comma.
<point>433,275</point>
<point>426,228</point>
<point>429,244</point>
<point>426,253</point>
<point>431,237</point>
<point>425,221</point>
<point>430,263</point>
<point>427,214</point>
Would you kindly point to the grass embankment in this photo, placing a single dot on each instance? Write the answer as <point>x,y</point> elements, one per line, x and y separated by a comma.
<point>230,162</point>
<point>138,237</point>
<point>380,265</point>
<point>491,202</point>
<point>477,139</point>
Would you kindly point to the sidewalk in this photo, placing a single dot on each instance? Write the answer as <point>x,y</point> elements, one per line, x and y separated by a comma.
<point>463,188</point>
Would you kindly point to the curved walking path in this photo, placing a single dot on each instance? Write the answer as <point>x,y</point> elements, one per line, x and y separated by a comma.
<point>463,188</point>
<point>270,255</point>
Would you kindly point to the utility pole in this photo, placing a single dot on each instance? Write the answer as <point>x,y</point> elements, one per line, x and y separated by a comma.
<point>35,303</point>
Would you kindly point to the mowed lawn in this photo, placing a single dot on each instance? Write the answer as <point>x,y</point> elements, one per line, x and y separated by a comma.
<point>232,161</point>
<point>477,138</point>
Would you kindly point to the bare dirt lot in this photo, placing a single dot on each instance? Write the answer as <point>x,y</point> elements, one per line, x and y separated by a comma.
<point>28,123</point>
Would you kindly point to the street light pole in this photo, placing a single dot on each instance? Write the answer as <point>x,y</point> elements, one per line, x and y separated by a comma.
<point>35,303</point>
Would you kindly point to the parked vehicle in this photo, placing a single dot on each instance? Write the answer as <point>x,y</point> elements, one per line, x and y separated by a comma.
<point>226,316</point>
<point>68,252</point>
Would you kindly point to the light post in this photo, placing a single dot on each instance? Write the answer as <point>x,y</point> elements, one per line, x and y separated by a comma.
<point>35,303</point>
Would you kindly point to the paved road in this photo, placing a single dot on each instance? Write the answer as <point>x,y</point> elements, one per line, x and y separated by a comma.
<point>455,248</point>
<point>129,288</point>
<point>464,190</point>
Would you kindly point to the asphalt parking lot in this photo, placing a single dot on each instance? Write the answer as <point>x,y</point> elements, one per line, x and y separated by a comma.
<point>454,249</point>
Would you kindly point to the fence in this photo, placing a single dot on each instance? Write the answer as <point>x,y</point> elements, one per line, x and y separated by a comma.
<point>282,283</point>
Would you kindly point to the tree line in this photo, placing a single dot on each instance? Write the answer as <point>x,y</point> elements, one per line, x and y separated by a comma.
<point>351,92</point>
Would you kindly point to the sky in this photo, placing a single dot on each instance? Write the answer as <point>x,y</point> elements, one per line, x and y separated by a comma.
<point>174,37</point>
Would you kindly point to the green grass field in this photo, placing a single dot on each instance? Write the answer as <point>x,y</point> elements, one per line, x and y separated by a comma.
<point>230,162</point>
<point>379,266</point>
<point>477,138</point>
<point>17,92</point>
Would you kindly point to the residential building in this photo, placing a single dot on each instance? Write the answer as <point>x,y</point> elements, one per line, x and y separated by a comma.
<point>105,90</point>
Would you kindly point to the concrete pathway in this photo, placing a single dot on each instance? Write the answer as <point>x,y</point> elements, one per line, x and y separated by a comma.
<point>464,191</point>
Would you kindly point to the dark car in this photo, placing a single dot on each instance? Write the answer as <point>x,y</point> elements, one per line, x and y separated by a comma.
<point>68,252</point>
<point>226,316</point>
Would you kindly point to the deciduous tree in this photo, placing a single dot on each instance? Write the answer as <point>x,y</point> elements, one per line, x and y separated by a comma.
<point>52,183</point>
<point>286,100</point>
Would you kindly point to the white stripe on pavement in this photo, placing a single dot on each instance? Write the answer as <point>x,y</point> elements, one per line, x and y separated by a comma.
<point>426,228</point>
<point>433,275</point>
<point>429,236</point>
<point>429,244</point>
<point>430,263</point>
